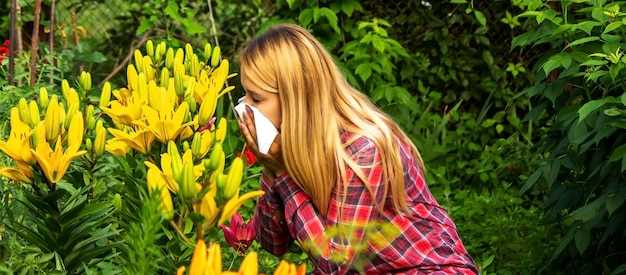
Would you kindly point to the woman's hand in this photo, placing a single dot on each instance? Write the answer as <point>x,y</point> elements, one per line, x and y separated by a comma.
<point>273,160</point>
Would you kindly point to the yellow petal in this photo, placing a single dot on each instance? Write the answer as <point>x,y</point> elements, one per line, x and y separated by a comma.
<point>75,132</point>
<point>249,265</point>
<point>199,259</point>
<point>14,174</point>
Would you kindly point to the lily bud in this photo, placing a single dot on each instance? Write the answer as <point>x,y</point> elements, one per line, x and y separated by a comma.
<point>215,57</point>
<point>220,133</point>
<point>34,113</point>
<point>235,175</point>
<point>165,77</point>
<point>150,48</point>
<point>207,51</point>
<point>90,116</point>
<point>105,96</point>
<point>43,97</point>
<point>22,106</point>
<point>131,75</point>
<point>160,51</point>
<point>138,61</point>
<point>85,81</point>
<point>177,161</point>
<point>169,58</point>
<point>217,156</point>
<point>100,141</point>
<point>188,52</point>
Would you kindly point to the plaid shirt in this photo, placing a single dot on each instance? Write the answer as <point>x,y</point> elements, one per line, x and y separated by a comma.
<point>428,241</point>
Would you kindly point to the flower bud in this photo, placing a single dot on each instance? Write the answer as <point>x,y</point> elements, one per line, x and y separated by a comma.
<point>85,81</point>
<point>43,97</point>
<point>215,57</point>
<point>220,133</point>
<point>105,96</point>
<point>150,48</point>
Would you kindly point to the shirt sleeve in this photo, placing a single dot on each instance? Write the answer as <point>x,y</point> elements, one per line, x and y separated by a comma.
<point>270,226</point>
<point>353,207</point>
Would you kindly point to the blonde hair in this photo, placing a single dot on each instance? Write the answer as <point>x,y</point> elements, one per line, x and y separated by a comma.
<point>317,102</point>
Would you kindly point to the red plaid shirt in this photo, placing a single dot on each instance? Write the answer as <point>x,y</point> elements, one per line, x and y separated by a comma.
<point>428,241</point>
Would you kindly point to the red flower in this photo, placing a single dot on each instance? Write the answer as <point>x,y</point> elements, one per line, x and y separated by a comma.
<point>4,50</point>
<point>249,156</point>
<point>239,235</point>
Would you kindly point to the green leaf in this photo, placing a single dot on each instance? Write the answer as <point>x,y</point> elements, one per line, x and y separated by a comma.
<point>588,211</point>
<point>558,60</point>
<point>583,41</point>
<point>172,10</point>
<point>587,26</point>
<point>144,25</point>
<point>192,26</point>
<point>614,201</point>
<point>618,153</point>
<point>619,270</point>
<point>290,3</point>
<point>591,106</point>
<point>458,1</point>
<point>347,6</point>
<point>364,71</point>
<point>582,239</point>
<point>379,44</point>
<point>613,26</point>
<point>594,62</point>
<point>306,16</point>
<point>331,17</point>
<point>480,17</point>
<point>530,182</point>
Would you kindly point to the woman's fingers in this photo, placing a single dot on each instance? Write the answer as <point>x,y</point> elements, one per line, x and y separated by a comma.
<point>248,137</point>
<point>249,120</point>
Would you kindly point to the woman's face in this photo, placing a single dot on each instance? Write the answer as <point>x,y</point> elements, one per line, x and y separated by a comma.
<point>268,103</point>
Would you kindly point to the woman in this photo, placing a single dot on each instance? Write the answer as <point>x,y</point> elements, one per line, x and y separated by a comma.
<point>338,160</point>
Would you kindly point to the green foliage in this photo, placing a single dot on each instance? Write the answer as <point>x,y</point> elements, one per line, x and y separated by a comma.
<point>579,87</point>
<point>495,223</point>
<point>142,255</point>
<point>74,230</point>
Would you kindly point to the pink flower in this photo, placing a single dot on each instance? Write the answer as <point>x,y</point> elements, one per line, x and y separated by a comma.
<point>239,235</point>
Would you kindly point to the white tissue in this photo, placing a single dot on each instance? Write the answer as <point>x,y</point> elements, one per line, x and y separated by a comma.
<point>265,130</point>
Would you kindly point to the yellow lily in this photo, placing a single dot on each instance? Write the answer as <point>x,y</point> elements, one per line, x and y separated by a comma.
<point>140,140</point>
<point>208,86</point>
<point>206,261</point>
<point>117,148</point>
<point>156,182</point>
<point>124,114</point>
<point>54,164</point>
<point>165,124</point>
<point>17,146</point>
<point>22,173</point>
<point>166,165</point>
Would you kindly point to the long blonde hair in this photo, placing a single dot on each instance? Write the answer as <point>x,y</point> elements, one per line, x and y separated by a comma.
<point>317,102</point>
